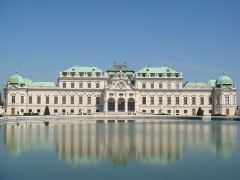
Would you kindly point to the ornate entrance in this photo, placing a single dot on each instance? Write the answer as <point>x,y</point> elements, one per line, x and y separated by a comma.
<point>121,105</point>
<point>111,105</point>
<point>131,105</point>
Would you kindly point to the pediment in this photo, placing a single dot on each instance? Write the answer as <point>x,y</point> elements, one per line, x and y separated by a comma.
<point>121,85</point>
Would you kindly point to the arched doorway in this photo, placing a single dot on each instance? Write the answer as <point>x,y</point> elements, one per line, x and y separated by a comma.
<point>111,105</point>
<point>131,105</point>
<point>121,105</point>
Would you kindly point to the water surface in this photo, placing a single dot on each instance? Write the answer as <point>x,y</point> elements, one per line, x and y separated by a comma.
<point>161,150</point>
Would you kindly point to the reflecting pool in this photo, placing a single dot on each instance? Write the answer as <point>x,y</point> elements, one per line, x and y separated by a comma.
<point>155,150</point>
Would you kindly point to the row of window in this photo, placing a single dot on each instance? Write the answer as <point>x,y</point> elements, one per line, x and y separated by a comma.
<point>177,100</point>
<point>144,100</point>
<point>56,99</point>
<point>170,111</point>
<point>80,85</point>
<point>63,111</point>
<point>160,86</point>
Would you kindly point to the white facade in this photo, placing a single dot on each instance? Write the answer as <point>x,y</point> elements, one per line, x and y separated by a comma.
<point>120,90</point>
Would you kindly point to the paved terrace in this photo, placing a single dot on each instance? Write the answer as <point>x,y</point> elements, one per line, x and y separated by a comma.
<point>101,118</point>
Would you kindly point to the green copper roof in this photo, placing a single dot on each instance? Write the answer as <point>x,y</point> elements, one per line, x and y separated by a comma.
<point>224,80</point>
<point>195,85</point>
<point>44,84</point>
<point>83,69</point>
<point>117,68</point>
<point>28,82</point>
<point>16,79</point>
<point>211,82</point>
<point>148,69</point>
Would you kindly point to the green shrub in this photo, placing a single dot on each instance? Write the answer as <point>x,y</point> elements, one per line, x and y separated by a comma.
<point>200,112</point>
<point>46,112</point>
<point>0,115</point>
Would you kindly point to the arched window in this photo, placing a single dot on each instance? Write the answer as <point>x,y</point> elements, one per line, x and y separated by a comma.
<point>131,104</point>
<point>111,104</point>
<point>121,105</point>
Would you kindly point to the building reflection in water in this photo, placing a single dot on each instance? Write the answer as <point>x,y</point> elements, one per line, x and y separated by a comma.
<point>159,143</point>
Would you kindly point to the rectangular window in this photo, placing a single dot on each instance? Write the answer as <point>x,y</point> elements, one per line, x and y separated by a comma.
<point>193,100</point>
<point>152,86</point>
<point>160,100</point>
<point>152,100</point>
<point>80,85</point>
<point>202,100</point>
<point>22,110</point>
<point>47,100</point>
<point>210,111</point>
<point>97,100</point>
<point>89,100</point>
<point>64,85</point>
<point>39,100</point>
<point>177,86</point>
<point>38,111</point>
<point>168,100</point>
<point>160,86</point>
<point>72,85</point>
<point>63,111</point>
<point>177,112</point>
<point>185,111</point>
<point>72,111</point>
<point>210,100</point>
<point>218,100</point>
<point>22,99</point>
<point>169,85</point>
<point>72,100</point>
<point>143,111</point>
<point>97,85</point>
<point>55,110</point>
<point>80,100</point>
<point>30,110</point>
<point>152,111</point>
<point>143,86</point>
<point>13,99</point>
<point>143,100</point>
<point>185,100</point>
<point>30,100</point>
<point>226,100</point>
<point>89,85</point>
<point>63,100</point>
<point>169,111</point>
<point>55,100</point>
<point>177,100</point>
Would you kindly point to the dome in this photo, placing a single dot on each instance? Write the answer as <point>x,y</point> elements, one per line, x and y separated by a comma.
<point>28,82</point>
<point>16,79</point>
<point>211,82</point>
<point>224,80</point>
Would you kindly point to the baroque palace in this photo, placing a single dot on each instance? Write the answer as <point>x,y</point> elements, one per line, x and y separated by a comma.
<point>120,90</point>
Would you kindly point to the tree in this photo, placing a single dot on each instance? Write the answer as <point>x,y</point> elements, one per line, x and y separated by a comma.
<point>46,112</point>
<point>200,112</point>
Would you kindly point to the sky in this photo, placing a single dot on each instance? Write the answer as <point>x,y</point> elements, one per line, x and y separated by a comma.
<point>39,39</point>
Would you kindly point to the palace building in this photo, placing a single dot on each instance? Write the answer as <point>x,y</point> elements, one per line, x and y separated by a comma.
<point>120,90</point>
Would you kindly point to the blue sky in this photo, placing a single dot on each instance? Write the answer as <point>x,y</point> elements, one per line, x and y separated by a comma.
<point>200,38</point>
